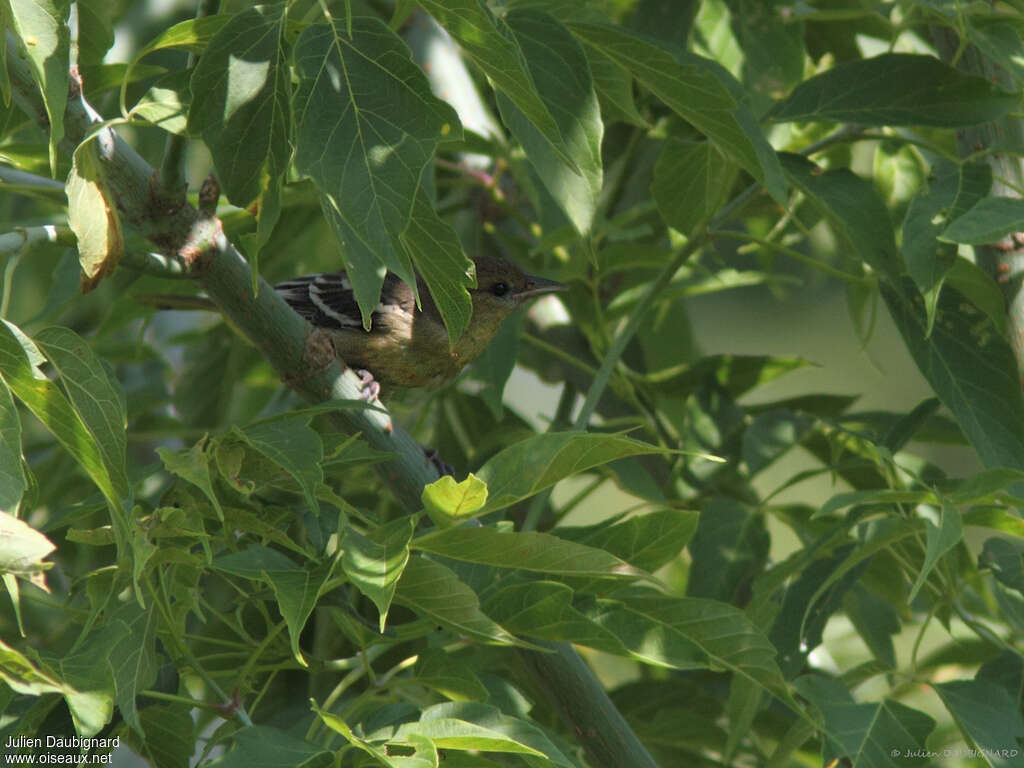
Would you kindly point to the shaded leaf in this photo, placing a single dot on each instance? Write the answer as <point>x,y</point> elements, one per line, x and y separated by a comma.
<point>560,70</point>
<point>988,221</point>
<point>446,269</point>
<point>289,442</point>
<point>433,590</point>
<point>93,217</point>
<point>12,476</point>
<point>854,208</point>
<point>96,395</point>
<point>491,46</point>
<point>42,27</point>
<point>367,125</point>
<point>691,180</point>
<point>988,716</point>
<point>529,551</point>
<point>973,372</point>
<point>539,462</point>
<point>896,89</point>
<point>47,402</point>
<point>241,105</point>
<point>449,676</point>
<point>886,733</point>
<point>374,563</point>
<point>262,746</point>
<point>91,710</point>
<point>296,588</point>
<point>193,465</point>
<point>544,609</point>
<point>690,86</point>
<point>645,541</point>
<point>940,539</point>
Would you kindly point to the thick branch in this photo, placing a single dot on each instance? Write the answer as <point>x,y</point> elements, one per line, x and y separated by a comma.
<point>302,357</point>
<point>306,361</point>
<point>1004,261</point>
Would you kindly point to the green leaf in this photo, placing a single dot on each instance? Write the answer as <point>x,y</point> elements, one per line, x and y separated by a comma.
<point>544,609</point>
<point>166,103</point>
<point>886,733</point>
<point>449,676</point>
<point>193,465</point>
<point>433,590</point>
<point>538,462</point>
<point>93,217</point>
<point>614,87</point>
<point>645,541</point>
<point>296,588</point>
<point>129,637</point>
<point>240,104</point>
<point>450,503</point>
<point>170,736</point>
<point>95,31</point>
<point>973,372</point>
<point>289,442</point>
<point>262,746</point>
<point>988,221</point>
<point>692,88</point>
<point>45,400</point>
<point>90,710</point>
<point>978,286</point>
<point>492,47</point>
<point>529,551</point>
<point>875,620</point>
<point>22,548</point>
<point>853,207</point>
<point>367,125</point>
<point>191,35</point>
<point>471,726</point>
<point>561,72</point>
<point>690,633</point>
<point>1004,559</point>
<point>691,180</point>
<point>42,27</point>
<point>988,716</point>
<point>446,269</point>
<point>927,259</point>
<point>5,76</point>
<point>940,539</point>
<point>12,475</point>
<point>374,563</point>
<point>999,40</point>
<point>96,396</point>
<point>729,549</point>
<point>770,435</point>
<point>896,89</point>
<point>455,724</point>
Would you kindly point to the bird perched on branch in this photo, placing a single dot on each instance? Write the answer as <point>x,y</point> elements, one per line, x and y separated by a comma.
<point>406,346</point>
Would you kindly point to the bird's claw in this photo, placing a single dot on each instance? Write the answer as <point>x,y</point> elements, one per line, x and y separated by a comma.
<point>369,387</point>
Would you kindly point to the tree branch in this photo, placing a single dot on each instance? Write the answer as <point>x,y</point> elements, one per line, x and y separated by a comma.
<point>305,360</point>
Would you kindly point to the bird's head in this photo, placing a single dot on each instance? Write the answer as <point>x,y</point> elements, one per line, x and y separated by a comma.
<point>502,287</point>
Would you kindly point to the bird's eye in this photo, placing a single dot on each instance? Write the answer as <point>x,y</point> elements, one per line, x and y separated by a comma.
<point>499,289</point>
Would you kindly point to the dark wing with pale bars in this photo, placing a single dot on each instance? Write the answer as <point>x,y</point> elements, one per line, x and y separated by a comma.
<point>327,300</point>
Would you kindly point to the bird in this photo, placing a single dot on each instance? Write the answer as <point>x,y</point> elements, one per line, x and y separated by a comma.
<point>408,346</point>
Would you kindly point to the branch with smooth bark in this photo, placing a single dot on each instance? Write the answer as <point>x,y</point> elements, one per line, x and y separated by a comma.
<point>194,243</point>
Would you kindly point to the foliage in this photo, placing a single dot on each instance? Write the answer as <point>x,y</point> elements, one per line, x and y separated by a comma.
<point>210,561</point>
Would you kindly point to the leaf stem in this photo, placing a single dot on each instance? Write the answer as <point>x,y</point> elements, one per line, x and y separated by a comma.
<point>171,178</point>
<point>638,315</point>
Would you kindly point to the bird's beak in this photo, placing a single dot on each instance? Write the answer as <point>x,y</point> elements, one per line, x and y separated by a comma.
<point>539,286</point>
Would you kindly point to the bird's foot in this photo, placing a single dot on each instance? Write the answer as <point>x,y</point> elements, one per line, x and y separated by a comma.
<point>369,386</point>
